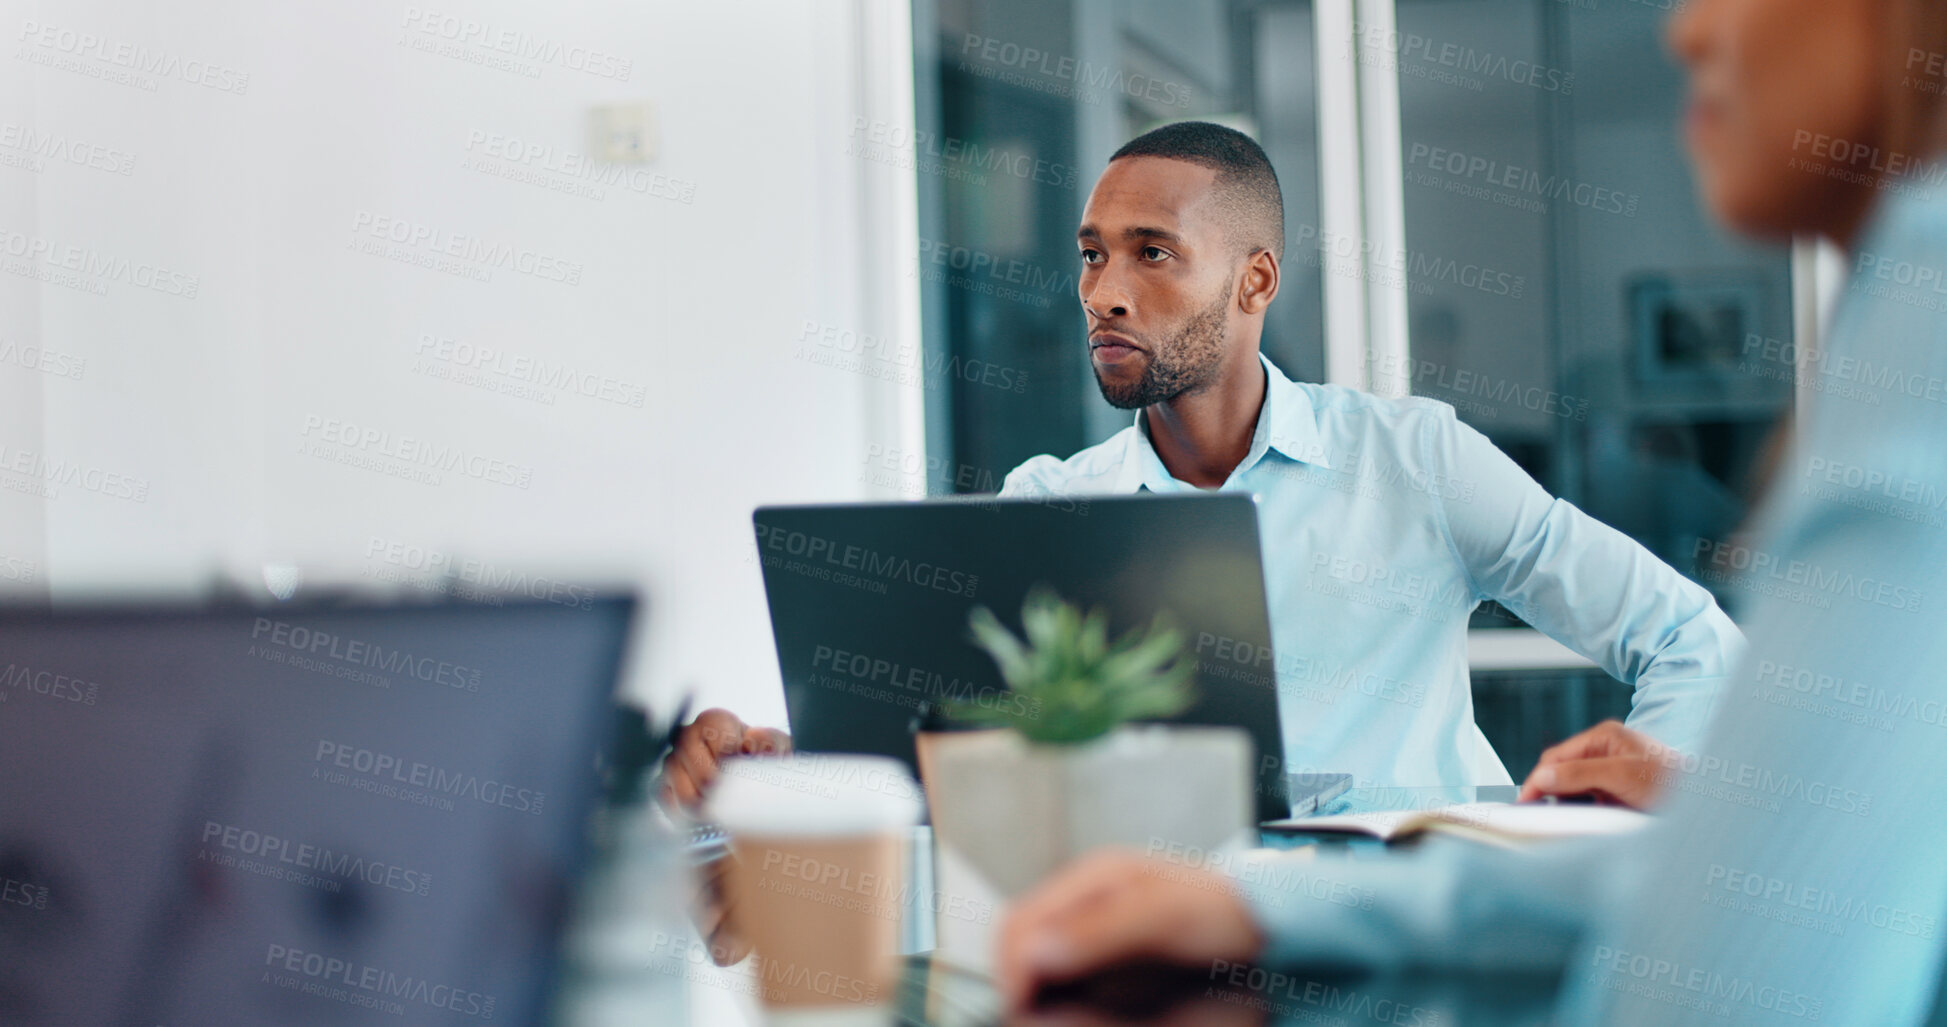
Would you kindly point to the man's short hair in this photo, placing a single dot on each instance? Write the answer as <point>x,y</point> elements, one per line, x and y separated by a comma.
<point>1247,186</point>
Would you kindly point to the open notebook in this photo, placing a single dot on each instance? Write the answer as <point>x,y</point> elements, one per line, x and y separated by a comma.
<point>1496,823</point>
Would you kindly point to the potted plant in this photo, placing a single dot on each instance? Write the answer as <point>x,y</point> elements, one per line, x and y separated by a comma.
<point>1066,767</point>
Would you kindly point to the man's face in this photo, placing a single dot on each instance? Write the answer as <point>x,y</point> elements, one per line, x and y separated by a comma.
<point>1156,280</point>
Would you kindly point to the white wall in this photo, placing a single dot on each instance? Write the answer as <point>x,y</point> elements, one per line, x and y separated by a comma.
<point>212,401</point>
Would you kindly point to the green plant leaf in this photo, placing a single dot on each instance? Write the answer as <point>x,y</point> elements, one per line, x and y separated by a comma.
<point>1070,681</point>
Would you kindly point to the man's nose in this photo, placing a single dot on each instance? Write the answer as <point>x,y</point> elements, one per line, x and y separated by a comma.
<point>1104,298</point>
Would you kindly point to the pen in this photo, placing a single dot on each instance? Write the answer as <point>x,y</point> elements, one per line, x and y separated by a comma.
<point>675,727</point>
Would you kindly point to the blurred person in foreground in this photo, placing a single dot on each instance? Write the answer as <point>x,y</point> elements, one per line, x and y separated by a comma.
<point>1794,871</point>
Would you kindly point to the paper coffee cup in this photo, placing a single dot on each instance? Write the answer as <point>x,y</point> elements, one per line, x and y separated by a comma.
<point>819,879</point>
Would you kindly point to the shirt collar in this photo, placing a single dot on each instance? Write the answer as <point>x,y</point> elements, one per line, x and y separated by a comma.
<point>1287,423</point>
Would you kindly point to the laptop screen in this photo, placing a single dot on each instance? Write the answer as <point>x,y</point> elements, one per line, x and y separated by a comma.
<point>354,815</point>
<point>869,605</point>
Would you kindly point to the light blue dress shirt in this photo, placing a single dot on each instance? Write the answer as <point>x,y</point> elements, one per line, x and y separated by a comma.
<point>1797,872</point>
<point>1383,524</point>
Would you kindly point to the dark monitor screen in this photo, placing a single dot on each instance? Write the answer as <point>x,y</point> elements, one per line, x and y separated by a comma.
<point>349,815</point>
<point>869,605</point>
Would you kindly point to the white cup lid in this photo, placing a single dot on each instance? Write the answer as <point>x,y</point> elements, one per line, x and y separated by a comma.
<point>814,795</point>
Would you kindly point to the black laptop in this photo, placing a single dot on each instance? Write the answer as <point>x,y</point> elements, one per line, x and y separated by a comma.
<point>295,815</point>
<point>869,605</point>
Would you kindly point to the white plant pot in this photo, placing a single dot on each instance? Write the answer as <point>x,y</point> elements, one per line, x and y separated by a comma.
<point>1018,811</point>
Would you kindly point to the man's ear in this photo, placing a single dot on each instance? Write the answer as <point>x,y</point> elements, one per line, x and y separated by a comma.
<point>1259,284</point>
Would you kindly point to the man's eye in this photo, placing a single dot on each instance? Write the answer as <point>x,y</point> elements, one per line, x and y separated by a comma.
<point>1154,253</point>
<point>1091,257</point>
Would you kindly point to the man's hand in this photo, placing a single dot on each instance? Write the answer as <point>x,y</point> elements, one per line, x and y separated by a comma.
<point>703,745</point>
<point>715,915</point>
<point>1115,906</point>
<point>1608,760</point>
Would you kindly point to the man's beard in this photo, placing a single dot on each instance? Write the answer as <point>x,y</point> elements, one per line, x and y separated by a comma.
<point>1184,363</point>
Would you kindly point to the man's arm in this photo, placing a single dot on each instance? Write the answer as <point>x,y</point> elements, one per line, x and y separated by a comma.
<point>688,772</point>
<point>1586,585</point>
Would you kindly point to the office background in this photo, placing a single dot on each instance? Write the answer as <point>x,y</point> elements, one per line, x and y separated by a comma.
<point>1512,230</point>
<point>695,272</point>
<point>561,294</point>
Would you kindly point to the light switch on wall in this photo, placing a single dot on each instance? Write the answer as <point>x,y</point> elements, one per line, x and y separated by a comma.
<point>623,133</point>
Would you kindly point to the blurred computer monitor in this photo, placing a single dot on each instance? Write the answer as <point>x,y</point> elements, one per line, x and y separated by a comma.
<point>296,815</point>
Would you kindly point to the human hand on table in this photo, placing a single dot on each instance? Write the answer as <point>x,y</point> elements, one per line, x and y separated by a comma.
<point>702,746</point>
<point>1112,907</point>
<point>688,772</point>
<point>1609,761</point>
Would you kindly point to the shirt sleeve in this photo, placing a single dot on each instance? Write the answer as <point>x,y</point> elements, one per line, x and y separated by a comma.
<point>1798,876</point>
<point>1446,902</point>
<point>1586,585</point>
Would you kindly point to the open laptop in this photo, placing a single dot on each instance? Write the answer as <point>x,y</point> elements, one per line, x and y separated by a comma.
<point>869,606</point>
<point>295,815</point>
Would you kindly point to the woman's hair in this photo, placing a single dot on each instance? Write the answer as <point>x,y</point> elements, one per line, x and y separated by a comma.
<point>1916,77</point>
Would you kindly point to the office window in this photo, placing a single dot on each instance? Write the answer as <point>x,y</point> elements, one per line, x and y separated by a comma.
<point>1575,302</point>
